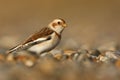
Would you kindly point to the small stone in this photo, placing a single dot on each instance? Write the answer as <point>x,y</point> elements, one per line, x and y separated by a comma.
<point>111,54</point>
<point>78,53</point>
<point>2,57</point>
<point>94,52</point>
<point>58,56</point>
<point>10,57</point>
<point>69,52</point>
<point>29,63</point>
<point>75,56</point>
<point>117,63</point>
<point>103,59</point>
<point>55,51</point>
<point>82,51</point>
<point>82,57</point>
<point>24,57</point>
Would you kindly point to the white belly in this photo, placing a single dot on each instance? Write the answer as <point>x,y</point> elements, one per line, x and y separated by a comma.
<point>46,45</point>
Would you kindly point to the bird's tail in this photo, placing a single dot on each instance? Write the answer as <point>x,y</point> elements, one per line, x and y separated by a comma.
<point>14,49</point>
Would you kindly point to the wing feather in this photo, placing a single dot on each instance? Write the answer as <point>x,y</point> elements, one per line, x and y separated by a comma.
<point>40,36</point>
<point>45,32</point>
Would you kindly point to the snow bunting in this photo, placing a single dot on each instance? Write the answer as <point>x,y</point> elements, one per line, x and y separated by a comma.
<point>44,40</point>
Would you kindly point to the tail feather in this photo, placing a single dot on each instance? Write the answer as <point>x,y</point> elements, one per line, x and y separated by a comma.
<point>14,49</point>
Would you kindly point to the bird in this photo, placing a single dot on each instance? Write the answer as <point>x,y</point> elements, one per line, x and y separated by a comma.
<point>44,40</point>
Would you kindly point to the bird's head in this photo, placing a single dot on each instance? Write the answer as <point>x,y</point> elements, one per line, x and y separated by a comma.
<point>58,25</point>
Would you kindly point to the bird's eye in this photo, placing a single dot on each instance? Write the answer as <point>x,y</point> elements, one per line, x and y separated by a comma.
<point>59,22</point>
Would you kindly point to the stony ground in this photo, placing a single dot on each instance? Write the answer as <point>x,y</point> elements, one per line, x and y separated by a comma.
<point>77,64</point>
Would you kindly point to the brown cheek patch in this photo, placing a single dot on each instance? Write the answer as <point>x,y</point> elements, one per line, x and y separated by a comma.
<point>54,25</point>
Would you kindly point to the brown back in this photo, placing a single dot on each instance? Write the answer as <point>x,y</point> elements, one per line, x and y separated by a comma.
<point>42,33</point>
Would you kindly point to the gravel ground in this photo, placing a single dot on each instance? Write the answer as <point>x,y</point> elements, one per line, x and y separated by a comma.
<point>82,64</point>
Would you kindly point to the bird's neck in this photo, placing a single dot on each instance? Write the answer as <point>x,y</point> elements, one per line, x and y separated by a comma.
<point>57,29</point>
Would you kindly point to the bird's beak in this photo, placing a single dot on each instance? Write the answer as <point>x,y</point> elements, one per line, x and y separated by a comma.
<point>64,25</point>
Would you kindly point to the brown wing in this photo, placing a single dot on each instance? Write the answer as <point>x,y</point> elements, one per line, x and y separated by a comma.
<point>42,33</point>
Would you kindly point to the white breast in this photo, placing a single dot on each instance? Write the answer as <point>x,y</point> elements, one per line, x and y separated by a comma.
<point>46,45</point>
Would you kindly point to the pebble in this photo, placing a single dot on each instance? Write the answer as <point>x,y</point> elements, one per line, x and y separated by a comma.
<point>94,53</point>
<point>24,57</point>
<point>2,57</point>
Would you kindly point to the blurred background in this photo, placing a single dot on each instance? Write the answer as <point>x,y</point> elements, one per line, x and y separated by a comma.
<point>91,22</point>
